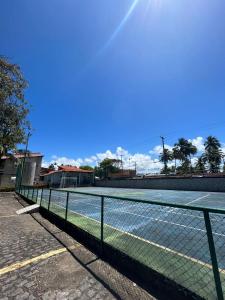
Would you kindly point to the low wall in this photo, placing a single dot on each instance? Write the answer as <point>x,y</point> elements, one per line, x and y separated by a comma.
<point>189,184</point>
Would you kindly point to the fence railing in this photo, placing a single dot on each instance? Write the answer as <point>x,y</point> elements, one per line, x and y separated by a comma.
<point>183,243</point>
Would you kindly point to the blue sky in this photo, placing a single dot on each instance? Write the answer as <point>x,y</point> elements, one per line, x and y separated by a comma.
<point>118,73</point>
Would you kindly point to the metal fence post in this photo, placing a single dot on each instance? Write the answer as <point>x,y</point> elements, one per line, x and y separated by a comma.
<point>212,250</point>
<point>102,222</point>
<point>36,195</point>
<point>41,196</point>
<point>49,200</point>
<point>67,202</point>
<point>32,194</point>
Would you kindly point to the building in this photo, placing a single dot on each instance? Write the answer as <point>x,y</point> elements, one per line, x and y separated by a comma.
<point>31,170</point>
<point>122,174</point>
<point>68,176</point>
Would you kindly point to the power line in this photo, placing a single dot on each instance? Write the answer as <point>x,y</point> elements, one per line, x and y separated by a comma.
<point>171,133</point>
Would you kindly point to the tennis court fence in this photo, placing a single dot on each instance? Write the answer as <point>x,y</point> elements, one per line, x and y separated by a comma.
<point>185,244</point>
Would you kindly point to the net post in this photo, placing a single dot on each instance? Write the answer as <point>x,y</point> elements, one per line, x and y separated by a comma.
<point>102,222</point>
<point>212,251</point>
<point>67,203</point>
<point>49,199</point>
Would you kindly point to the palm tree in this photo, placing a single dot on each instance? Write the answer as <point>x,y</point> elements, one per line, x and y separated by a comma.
<point>184,149</point>
<point>165,157</point>
<point>176,156</point>
<point>213,153</point>
<point>212,143</point>
<point>200,165</point>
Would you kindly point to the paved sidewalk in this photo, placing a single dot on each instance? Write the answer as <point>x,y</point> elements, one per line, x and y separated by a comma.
<point>39,261</point>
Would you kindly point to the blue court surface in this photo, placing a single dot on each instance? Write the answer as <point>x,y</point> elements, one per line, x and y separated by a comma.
<point>205,199</point>
<point>171,240</point>
<point>181,230</point>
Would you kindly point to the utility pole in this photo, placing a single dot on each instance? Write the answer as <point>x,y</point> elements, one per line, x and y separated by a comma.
<point>163,145</point>
<point>121,156</point>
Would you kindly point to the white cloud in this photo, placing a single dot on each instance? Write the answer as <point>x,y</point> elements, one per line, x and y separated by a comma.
<point>145,162</point>
<point>194,160</point>
<point>63,160</point>
<point>106,154</point>
<point>223,148</point>
<point>157,150</point>
<point>198,142</point>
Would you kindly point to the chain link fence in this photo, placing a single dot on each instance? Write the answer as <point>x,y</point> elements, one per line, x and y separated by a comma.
<point>185,244</point>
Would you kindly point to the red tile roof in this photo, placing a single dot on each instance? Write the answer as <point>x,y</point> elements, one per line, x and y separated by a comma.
<point>73,169</point>
<point>68,169</point>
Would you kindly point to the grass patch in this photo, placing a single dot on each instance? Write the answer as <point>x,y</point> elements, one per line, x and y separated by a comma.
<point>189,273</point>
<point>44,203</point>
<point>84,223</point>
<point>59,211</point>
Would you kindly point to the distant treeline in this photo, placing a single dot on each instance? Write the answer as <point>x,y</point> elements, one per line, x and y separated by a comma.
<point>211,159</point>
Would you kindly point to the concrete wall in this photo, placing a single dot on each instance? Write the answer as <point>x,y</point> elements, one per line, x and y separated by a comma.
<point>38,161</point>
<point>188,184</point>
<point>8,169</point>
<point>29,172</point>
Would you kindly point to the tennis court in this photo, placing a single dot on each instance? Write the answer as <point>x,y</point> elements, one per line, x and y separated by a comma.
<point>170,240</point>
<point>205,199</point>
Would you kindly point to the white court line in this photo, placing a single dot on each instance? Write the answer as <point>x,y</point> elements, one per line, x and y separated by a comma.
<point>172,223</point>
<point>154,244</point>
<point>158,220</point>
<point>169,211</point>
<point>200,198</point>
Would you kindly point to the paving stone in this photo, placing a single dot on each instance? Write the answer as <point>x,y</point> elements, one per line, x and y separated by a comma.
<point>59,277</point>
